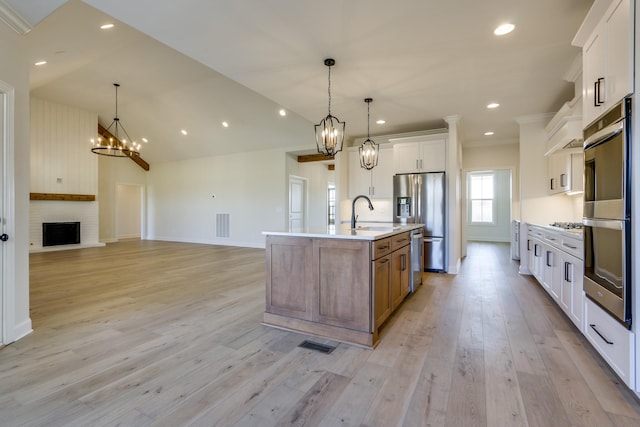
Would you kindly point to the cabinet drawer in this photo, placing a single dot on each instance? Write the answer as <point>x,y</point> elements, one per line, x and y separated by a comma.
<point>613,341</point>
<point>400,240</point>
<point>572,246</point>
<point>381,247</point>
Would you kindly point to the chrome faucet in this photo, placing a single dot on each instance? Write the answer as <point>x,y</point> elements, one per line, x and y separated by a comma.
<point>353,208</point>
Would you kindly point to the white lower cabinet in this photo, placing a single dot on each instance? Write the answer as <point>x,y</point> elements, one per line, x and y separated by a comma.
<point>614,342</point>
<point>571,293</point>
<point>553,261</point>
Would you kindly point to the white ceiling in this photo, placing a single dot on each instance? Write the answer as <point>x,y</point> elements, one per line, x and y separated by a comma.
<point>242,60</point>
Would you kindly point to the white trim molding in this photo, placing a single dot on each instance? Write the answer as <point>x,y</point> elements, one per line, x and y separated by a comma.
<point>13,19</point>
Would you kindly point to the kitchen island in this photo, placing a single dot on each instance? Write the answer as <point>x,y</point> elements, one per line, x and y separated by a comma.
<point>337,283</point>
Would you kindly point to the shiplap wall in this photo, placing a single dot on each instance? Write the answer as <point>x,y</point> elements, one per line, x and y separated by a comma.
<point>62,162</point>
<point>61,159</point>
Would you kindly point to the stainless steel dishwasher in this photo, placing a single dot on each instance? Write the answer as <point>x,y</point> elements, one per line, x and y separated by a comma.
<point>417,260</point>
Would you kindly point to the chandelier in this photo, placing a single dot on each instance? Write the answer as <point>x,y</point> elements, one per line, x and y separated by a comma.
<point>330,130</point>
<point>109,141</point>
<point>368,149</point>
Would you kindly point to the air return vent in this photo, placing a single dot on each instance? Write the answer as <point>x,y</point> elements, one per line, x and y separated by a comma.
<point>222,225</point>
<point>317,346</point>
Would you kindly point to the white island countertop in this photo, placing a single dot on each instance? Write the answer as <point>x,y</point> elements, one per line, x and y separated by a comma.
<point>364,231</point>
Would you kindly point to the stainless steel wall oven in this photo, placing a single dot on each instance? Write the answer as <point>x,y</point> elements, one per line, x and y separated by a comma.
<point>607,212</point>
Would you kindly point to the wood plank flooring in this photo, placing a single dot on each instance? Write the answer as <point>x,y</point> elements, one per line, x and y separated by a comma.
<point>143,333</point>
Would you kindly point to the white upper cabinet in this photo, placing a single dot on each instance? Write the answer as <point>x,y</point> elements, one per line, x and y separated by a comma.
<point>565,172</point>
<point>375,183</point>
<point>608,61</point>
<point>425,154</point>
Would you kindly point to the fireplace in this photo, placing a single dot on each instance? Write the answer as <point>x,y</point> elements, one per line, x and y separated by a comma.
<point>60,233</point>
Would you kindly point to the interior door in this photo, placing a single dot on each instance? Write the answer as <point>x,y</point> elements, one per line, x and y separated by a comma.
<point>297,203</point>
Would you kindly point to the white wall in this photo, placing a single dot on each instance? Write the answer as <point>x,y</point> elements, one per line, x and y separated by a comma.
<point>318,177</point>
<point>62,163</point>
<point>184,197</point>
<point>14,73</point>
<point>537,206</point>
<point>500,230</point>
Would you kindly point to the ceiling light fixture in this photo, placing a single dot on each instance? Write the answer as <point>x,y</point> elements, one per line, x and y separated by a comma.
<point>381,122</point>
<point>225,124</point>
<point>106,26</point>
<point>488,133</point>
<point>109,143</point>
<point>184,132</point>
<point>283,112</point>
<point>40,63</point>
<point>493,105</point>
<point>503,29</point>
<point>368,149</point>
<point>330,130</point>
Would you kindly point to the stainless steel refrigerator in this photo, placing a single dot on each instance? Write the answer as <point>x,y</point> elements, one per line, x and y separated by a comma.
<point>419,198</point>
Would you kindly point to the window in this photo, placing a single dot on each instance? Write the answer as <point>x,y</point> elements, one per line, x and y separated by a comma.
<point>331,198</point>
<point>481,197</point>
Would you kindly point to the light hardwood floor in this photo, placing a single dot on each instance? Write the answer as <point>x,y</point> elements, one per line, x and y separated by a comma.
<point>168,334</point>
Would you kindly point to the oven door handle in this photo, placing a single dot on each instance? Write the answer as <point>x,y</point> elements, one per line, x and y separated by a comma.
<point>604,134</point>
<point>604,223</point>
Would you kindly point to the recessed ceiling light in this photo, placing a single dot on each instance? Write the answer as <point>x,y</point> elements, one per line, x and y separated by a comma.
<point>503,29</point>
<point>145,140</point>
<point>493,105</point>
<point>39,63</point>
<point>225,124</point>
<point>488,133</point>
<point>106,26</point>
<point>184,132</point>
<point>283,112</point>
<point>381,122</point>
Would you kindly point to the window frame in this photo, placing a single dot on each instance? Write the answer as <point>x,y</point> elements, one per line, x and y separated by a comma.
<point>470,199</point>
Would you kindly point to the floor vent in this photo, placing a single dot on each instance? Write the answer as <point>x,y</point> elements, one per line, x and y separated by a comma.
<point>318,347</point>
<point>222,225</point>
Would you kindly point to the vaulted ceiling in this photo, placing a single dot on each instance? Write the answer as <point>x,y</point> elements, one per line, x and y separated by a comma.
<point>192,64</point>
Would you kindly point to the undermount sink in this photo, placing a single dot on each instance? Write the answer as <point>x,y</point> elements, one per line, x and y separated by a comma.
<point>377,228</point>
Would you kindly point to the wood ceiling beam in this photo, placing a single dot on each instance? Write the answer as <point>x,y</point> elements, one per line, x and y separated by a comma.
<point>314,158</point>
<point>139,160</point>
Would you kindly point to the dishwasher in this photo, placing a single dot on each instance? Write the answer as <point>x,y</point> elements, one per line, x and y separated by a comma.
<point>417,260</point>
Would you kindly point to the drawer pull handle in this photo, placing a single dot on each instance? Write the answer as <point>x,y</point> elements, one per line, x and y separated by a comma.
<point>570,246</point>
<point>601,336</point>
<point>383,247</point>
<point>384,261</point>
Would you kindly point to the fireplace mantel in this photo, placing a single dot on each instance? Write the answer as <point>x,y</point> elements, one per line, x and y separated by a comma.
<point>65,197</point>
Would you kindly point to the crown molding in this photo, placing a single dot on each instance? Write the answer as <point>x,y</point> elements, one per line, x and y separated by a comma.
<point>13,19</point>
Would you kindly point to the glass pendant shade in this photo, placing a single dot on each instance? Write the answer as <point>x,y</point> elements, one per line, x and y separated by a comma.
<point>330,130</point>
<point>368,150</point>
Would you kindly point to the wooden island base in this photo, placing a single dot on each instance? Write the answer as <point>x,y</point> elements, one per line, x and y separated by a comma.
<point>338,288</point>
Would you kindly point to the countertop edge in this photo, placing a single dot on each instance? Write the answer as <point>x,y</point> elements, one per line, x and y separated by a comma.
<point>348,234</point>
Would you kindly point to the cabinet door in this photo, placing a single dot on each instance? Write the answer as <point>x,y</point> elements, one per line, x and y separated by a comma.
<point>619,51</point>
<point>406,157</point>
<point>381,284</point>
<point>572,277</point>
<point>552,272</point>
<point>383,175</point>
<point>359,178</point>
<point>593,72</point>
<point>433,155</point>
<point>289,277</point>
<point>343,290</point>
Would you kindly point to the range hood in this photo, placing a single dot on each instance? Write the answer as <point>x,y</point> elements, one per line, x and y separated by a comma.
<point>564,130</point>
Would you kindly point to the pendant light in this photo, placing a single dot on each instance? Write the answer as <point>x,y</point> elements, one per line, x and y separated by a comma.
<point>110,143</point>
<point>330,130</point>
<point>369,149</point>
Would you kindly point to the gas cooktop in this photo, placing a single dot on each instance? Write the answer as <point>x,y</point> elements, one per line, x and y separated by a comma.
<point>567,225</point>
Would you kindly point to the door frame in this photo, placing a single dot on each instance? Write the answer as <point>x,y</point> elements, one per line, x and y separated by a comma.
<point>305,202</point>
<point>7,256</point>
<point>465,201</point>
<point>142,210</point>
